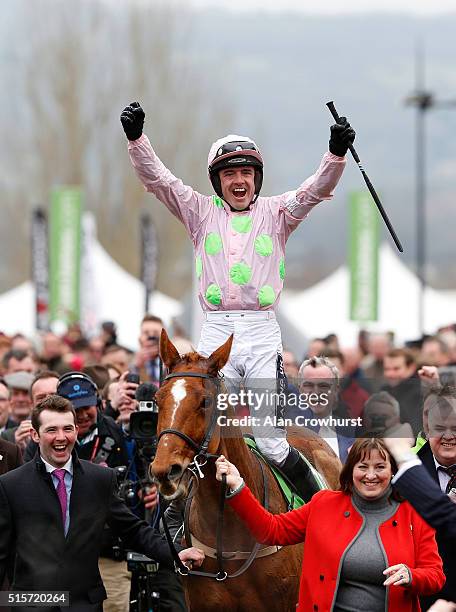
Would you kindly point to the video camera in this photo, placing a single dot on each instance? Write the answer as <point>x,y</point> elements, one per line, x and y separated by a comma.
<point>143,596</point>
<point>143,430</point>
<point>143,424</point>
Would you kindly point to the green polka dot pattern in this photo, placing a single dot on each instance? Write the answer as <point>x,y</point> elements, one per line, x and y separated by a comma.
<point>213,244</point>
<point>266,296</point>
<point>263,245</point>
<point>214,294</point>
<point>242,224</point>
<point>198,267</point>
<point>282,268</point>
<point>217,201</point>
<point>240,273</point>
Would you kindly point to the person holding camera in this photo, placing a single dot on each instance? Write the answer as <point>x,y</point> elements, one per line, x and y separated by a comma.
<point>137,418</point>
<point>147,363</point>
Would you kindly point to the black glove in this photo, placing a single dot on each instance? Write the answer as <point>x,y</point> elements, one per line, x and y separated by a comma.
<point>342,134</point>
<point>132,119</point>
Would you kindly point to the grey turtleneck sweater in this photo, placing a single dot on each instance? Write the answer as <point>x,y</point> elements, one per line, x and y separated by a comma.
<point>361,580</point>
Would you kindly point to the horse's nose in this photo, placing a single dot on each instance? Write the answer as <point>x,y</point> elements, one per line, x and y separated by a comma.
<point>175,471</point>
<point>166,471</point>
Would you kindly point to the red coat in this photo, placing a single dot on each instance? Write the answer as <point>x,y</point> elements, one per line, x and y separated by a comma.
<point>328,524</point>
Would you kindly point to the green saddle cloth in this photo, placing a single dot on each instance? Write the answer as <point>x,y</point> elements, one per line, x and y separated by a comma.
<point>292,498</point>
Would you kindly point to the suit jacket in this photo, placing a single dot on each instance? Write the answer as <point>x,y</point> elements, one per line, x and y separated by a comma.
<point>9,432</point>
<point>31,527</point>
<point>11,457</point>
<point>447,546</point>
<point>417,486</point>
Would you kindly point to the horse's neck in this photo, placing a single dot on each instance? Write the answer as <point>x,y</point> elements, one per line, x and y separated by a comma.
<point>207,499</point>
<point>236,450</point>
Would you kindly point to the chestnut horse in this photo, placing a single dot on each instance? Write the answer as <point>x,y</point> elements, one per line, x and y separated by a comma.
<point>186,401</point>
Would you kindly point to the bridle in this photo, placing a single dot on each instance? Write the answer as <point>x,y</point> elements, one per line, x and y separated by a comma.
<point>201,448</point>
<point>200,459</point>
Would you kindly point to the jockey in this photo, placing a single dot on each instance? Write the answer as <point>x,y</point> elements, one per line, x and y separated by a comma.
<point>239,240</point>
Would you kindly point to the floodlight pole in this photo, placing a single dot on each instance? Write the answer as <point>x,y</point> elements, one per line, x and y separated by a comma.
<point>423,101</point>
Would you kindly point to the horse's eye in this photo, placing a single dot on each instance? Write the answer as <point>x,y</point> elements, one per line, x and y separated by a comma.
<point>208,402</point>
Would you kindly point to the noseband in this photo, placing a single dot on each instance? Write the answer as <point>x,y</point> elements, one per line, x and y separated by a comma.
<point>200,449</point>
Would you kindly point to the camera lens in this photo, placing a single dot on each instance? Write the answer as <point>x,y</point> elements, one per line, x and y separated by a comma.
<point>143,425</point>
<point>148,428</point>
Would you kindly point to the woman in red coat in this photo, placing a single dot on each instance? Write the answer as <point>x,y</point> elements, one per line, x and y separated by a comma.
<point>365,549</point>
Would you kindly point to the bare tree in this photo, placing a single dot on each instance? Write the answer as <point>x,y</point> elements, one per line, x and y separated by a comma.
<point>77,64</point>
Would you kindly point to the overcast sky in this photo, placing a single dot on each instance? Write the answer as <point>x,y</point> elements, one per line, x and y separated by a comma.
<point>417,7</point>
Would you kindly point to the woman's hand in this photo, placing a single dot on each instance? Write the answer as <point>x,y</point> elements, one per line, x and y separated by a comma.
<point>442,606</point>
<point>233,479</point>
<point>398,575</point>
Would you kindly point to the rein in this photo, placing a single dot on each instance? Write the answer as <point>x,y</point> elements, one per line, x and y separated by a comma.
<point>199,461</point>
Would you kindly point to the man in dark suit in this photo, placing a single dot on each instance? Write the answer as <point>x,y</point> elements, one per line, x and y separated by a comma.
<point>10,456</point>
<point>53,510</point>
<point>438,457</point>
<point>424,494</point>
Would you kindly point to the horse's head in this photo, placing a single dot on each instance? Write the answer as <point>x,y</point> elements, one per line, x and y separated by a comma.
<point>186,404</point>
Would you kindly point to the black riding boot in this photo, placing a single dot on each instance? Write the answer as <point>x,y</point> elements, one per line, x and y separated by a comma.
<point>300,475</point>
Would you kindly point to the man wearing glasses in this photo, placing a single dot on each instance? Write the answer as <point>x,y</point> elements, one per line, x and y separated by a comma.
<point>438,456</point>
<point>319,383</point>
<point>239,241</point>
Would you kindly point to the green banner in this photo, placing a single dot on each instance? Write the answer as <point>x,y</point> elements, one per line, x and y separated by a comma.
<point>65,254</point>
<point>364,242</point>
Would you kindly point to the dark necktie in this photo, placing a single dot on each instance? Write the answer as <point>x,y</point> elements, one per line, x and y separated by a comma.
<point>61,492</point>
<point>451,471</point>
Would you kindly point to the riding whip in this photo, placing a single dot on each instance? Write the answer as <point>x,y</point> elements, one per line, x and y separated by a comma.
<point>334,113</point>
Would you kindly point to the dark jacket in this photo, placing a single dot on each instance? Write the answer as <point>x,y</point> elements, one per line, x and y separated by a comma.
<point>9,432</point>
<point>107,430</point>
<point>447,546</point>
<point>409,395</point>
<point>417,487</point>
<point>10,456</point>
<point>31,527</point>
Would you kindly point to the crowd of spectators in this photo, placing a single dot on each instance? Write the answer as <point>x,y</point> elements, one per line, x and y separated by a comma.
<point>388,388</point>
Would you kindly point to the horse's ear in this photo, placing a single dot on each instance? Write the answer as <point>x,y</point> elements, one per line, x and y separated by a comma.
<point>168,351</point>
<point>220,357</point>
